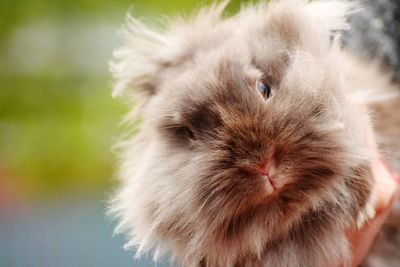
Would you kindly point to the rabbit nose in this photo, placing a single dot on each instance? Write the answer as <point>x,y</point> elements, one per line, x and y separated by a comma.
<point>264,170</point>
<point>268,168</point>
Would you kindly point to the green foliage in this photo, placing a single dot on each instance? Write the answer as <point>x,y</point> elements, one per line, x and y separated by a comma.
<point>56,132</point>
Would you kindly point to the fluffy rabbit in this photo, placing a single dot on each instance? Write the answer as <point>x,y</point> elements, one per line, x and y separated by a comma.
<point>251,150</point>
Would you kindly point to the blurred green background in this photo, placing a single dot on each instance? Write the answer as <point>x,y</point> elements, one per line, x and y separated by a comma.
<point>57,125</point>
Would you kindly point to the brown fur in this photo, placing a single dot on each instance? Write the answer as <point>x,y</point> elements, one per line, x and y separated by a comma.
<point>190,183</point>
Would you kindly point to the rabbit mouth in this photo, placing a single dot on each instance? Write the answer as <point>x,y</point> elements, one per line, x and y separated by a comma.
<point>268,171</point>
<point>270,184</point>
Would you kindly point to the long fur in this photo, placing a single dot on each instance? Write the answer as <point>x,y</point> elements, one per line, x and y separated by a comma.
<point>188,184</point>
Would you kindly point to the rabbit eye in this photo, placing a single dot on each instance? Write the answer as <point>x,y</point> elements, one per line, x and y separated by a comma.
<point>184,131</point>
<point>263,88</point>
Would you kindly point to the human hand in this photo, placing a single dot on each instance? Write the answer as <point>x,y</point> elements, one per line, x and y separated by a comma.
<point>385,189</point>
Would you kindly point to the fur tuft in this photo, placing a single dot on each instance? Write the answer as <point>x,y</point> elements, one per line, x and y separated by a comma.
<point>147,52</point>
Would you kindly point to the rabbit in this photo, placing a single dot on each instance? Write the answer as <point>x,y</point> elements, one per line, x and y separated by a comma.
<point>248,145</point>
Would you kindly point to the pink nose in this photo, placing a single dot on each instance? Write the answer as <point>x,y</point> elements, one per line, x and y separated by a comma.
<point>264,171</point>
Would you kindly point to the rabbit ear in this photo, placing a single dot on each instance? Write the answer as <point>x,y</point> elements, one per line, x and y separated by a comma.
<point>332,14</point>
<point>301,23</point>
<point>140,59</point>
<point>147,54</point>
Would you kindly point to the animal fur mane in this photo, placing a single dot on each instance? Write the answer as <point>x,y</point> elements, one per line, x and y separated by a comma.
<point>144,60</point>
